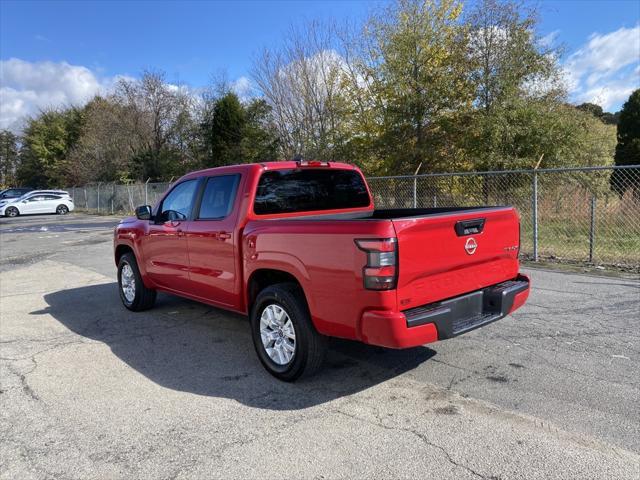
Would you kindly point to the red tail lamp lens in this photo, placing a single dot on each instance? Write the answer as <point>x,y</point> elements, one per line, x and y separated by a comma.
<point>380,272</point>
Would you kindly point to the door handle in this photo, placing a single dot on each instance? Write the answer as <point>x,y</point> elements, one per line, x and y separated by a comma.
<point>180,232</point>
<point>222,236</point>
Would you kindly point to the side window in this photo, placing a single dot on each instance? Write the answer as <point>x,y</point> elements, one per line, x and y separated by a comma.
<point>218,197</point>
<point>52,197</point>
<point>177,205</point>
<point>36,198</point>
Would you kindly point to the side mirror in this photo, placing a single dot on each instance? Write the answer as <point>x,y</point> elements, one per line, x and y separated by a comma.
<point>143,212</point>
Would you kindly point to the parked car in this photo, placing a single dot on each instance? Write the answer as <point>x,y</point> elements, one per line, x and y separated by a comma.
<point>13,193</point>
<point>31,192</point>
<point>299,247</point>
<point>38,201</point>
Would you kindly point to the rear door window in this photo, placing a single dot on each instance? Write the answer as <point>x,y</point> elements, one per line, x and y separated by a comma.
<point>218,197</point>
<point>307,190</point>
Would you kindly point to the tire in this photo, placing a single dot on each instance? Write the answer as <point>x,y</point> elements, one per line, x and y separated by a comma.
<point>62,209</point>
<point>141,298</point>
<point>309,346</point>
<point>11,212</point>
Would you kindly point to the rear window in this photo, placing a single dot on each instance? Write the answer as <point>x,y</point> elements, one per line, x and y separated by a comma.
<point>308,190</point>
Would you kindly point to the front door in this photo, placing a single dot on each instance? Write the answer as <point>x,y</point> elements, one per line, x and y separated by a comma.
<point>164,246</point>
<point>212,239</point>
<point>33,204</point>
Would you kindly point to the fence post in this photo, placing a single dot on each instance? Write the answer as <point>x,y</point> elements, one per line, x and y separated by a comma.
<point>415,186</point>
<point>98,206</point>
<point>146,194</point>
<point>113,196</point>
<point>592,230</point>
<point>534,211</point>
<point>415,192</point>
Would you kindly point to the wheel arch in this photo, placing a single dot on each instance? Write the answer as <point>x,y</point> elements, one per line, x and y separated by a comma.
<point>262,278</point>
<point>121,250</point>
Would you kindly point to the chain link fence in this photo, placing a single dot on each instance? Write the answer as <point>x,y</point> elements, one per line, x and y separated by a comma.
<point>111,198</point>
<point>574,215</point>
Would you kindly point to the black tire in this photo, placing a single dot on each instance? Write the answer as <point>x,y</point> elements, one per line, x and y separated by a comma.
<point>144,297</point>
<point>62,209</point>
<point>11,212</point>
<point>310,346</point>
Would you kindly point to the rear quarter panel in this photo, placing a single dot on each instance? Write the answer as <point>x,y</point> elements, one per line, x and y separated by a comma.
<point>323,257</point>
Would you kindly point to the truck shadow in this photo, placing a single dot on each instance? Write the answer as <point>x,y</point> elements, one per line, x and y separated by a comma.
<point>190,347</point>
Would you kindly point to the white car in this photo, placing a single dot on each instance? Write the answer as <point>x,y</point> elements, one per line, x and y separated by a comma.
<point>38,201</point>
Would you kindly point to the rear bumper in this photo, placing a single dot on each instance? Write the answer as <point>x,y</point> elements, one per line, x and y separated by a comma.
<point>446,319</point>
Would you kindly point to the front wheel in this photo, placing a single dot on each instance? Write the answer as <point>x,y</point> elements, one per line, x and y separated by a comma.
<point>11,212</point>
<point>134,295</point>
<point>284,337</point>
<point>62,210</point>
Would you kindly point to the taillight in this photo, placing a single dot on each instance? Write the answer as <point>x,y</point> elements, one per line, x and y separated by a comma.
<point>381,270</point>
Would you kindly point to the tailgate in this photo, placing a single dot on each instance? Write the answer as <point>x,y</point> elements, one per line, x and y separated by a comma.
<point>446,255</point>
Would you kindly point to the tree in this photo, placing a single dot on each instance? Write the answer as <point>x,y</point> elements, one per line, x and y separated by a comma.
<point>47,141</point>
<point>598,112</point>
<point>106,145</point>
<point>224,131</point>
<point>9,158</point>
<point>407,80</point>
<point>301,84</point>
<point>234,132</point>
<point>518,92</point>
<point>628,147</point>
<point>156,111</point>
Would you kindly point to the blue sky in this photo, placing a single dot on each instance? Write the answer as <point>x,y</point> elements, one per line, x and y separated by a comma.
<point>62,52</point>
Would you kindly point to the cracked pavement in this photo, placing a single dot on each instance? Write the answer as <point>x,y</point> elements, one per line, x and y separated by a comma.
<point>91,390</point>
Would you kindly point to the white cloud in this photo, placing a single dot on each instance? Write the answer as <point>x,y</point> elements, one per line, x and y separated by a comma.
<point>27,87</point>
<point>549,39</point>
<point>242,87</point>
<point>605,69</point>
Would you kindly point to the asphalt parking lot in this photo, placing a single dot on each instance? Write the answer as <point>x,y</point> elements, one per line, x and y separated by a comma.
<point>91,390</point>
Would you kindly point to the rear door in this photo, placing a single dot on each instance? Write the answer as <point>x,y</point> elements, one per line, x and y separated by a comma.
<point>446,255</point>
<point>50,203</point>
<point>211,240</point>
<point>164,245</point>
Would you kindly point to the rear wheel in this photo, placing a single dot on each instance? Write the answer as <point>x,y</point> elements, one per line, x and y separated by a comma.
<point>284,337</point>
<point>11,212</point>
<point>134,295</point>
<point>62,210</point>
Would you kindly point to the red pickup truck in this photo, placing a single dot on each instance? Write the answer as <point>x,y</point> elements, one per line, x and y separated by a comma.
<point>299,247</point>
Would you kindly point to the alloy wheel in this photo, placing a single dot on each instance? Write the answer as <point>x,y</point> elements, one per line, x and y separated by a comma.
<point>278,334</point>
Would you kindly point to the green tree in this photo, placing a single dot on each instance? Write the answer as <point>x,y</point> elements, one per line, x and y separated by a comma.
<point>47,142</point>
<point>408,78</point>
<point>224,130</point>
<point>9,158</point>
<point>517,111</point>
<point>628,147</point>
<point>597,111</point>
<point>234,132</point>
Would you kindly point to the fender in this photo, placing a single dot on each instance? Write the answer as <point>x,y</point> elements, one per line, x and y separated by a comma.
<point>282,261</point>
<point>131,238</point>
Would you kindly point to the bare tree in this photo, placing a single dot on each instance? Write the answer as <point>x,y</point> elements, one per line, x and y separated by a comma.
<point>301,82</point>
<point>158,115</point>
